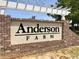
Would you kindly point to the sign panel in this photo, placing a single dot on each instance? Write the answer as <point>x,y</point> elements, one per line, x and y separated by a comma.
<point>31,32</point>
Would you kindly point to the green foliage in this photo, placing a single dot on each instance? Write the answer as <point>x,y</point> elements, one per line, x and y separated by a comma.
<point>74,15</point>
<point>74,5</point>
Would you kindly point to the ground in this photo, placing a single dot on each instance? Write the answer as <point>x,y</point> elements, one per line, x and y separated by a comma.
<point>66,53</point>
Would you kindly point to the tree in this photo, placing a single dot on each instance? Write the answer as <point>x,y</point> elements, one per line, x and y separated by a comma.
<point>74,5</point>
<point>74,15</point>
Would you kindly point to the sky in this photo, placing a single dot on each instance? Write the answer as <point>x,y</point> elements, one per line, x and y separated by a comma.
<point>28,14</point>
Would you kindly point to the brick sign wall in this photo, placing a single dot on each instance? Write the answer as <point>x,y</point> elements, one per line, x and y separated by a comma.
<point>24,32</point>
<point>8,48</point>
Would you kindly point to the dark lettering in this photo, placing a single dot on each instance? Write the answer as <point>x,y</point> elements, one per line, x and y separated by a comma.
<point>27,37</point>
<point>36,29</point>
<point>53,29</point>
<point>44,37</point>
<point>21,28</point>
<point>36,38</point>
<point>57,29</point>
<point>29,29</point>
<point>41,29</point>
<point>51,36</point>
<point>47,29</point>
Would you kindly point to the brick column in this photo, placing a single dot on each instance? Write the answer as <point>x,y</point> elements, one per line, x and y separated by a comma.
<point>4,32</point>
